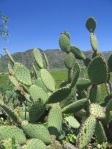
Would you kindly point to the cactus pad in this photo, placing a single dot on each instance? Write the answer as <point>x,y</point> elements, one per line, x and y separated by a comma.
<point>86,132</point>
<point>77,52</point>
<point>110,63</point>
<point>69,60</point>
<point>12,132</point>
<point>75,106</point>
<point>37,131</point>
<point>64,43</point>
<point>22,74</point>
<point>91,24</point>
<point>47,79</point>
<point>38,57</point>
<point>94,42</point>
<point>34,143</point>
<point>55,120</point>
<point>83,83</point>
<point>97,111</point>
<point>38,93</point>
<point>98,71</point>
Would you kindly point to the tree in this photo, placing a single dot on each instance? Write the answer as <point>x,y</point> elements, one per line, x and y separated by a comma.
<point>3,26</point>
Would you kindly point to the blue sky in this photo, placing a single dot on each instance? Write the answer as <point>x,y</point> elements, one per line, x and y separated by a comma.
<point>38,23</point>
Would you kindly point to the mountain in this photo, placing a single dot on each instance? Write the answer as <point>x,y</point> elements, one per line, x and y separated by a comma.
<point>55,58</point>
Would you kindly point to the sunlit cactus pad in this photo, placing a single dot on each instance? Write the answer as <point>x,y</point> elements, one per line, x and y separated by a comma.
<point>94,42</point>
<point>12,132</point>
<point>47,79</point>
<point>69,60</point>
<point>86,132</point>
<point>97,111</point>
<point>22,74</point>
<point>98,70</point>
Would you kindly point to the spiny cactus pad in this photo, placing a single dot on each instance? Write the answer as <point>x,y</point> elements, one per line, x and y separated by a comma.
<point>36,110</point>
<point>91,24</point>
<point>77,52</point>
<point>64,43</point>
<point>75,106</point>
<point>22,74</point>
<point>59,95</point>
<point>97,111</point>
<point>14,81</point>
<point>110,63</point>
<point>69,60</point>
<point>98,70</point>
<point>55,120</point>
<point>47,79</point>
<point>12,132</point>
<point>38,93</point>
<point>83,83</point>
<point>38,57</point>
<point>33,144</point>
<point>100,133</point>
<point>37,131</point>
<point>72,122</point>
<point>86,132</point>
<point>94,42</point>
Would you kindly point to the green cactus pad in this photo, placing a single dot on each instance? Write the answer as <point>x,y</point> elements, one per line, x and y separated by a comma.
<point>97,93</point>
<point>64,43</point>
<point>97,53</point>
<point>83,83</point>
<point>109,106</point>
<point>37,131</point>
<point>11,113</point>
<point>55,120</point>
<point>91,24</point>
<point>86,132</point>
<point>69,60</point>
<point>36,111</point>
<point>76,72</point>
<point>67,34</point>
<point>47,79</point>
<point>12,132</point>
<point>38,93</point>
<point>34,143</point>
<point>38,57</point>
<point>94,43</point>
<point>100,133</point>
<point>72,122</point>
<point>86,62</point>
<point>97,111</point>
<point>98,70</point>
<point>68,145</point>
<point>14,81</point>
<point>40,83</point>
<point>110,63</point>
<point>59,95</point>
<point>22,74</point>
<point>77,52</point>
<point>46,61</point>
<point>75,106</point>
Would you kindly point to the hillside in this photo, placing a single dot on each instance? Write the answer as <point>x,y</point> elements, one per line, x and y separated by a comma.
<point>55,57</point>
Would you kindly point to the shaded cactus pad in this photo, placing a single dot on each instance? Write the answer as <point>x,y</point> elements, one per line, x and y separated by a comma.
<point>91,24</point>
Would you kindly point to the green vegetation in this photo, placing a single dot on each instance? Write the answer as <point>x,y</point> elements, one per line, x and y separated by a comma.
<point>73,114</point>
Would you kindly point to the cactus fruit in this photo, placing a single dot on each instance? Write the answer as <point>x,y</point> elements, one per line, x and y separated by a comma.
<point>55,120</point>
<point>38,57</point>
<point>96,76</point>
<point>86,132</point>
<point>34,143</point>
<point>38,93</point>
<point>22,74</point>
<point>97,111</point>
<point>93,41</point>
<point>77,52</point>
<point>47,79</point>
<point>75,106</point>
<point>91,24</point>
<point>12,132</point>
<point>38,131</point>
<point>64,43</point>
<point>69,60</point>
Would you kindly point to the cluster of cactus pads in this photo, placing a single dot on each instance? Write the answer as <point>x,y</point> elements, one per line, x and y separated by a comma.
<point>41,116</point>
